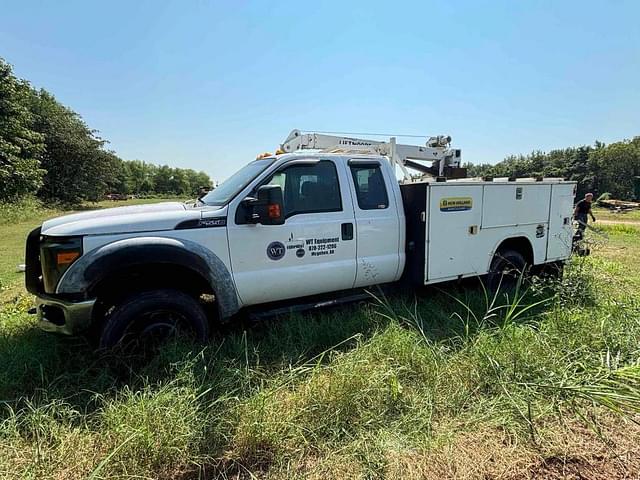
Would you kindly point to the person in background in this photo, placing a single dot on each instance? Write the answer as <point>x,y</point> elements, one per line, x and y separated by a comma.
<point>583,208</point>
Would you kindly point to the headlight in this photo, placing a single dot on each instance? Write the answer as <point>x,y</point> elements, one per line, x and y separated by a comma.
<point>56,256</point>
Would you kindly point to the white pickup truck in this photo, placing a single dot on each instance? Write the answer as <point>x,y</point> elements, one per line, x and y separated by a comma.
<point>326,215</point>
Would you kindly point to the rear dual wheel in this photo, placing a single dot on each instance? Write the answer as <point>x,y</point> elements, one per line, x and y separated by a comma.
<point>144,321</point>
<point>505,271</point>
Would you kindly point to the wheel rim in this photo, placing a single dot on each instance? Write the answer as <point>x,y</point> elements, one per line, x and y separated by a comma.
<point>154,328</point>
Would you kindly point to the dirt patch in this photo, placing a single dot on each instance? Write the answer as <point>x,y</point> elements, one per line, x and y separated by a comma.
<point>572,451</point>
<point>574,468</point>
<point>582,453</point>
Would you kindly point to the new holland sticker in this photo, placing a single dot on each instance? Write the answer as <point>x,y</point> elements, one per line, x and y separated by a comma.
<point>456,204</point>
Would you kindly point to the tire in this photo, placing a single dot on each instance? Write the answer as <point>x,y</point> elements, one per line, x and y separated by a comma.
<point>148,319</point>
<point>506,267</point>
<point>552,270</point>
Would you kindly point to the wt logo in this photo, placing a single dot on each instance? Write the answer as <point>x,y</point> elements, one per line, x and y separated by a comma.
<point>276,250</point>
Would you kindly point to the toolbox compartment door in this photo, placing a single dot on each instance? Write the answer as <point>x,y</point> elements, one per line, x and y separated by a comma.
<point>560,225</point>
<point>515,204</point>
<point>453,225</point>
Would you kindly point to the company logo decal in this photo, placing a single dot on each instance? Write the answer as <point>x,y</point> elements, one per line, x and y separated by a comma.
<point>315,247</point>
<point>354,142</point>
<point>322,246</point>
<point>276,250</point>
<point>456,204</point>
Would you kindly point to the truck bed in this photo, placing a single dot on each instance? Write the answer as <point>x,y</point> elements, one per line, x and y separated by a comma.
<point>454,228</point>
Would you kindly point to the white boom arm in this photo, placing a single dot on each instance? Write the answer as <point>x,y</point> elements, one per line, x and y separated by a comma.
<point>436,149</point>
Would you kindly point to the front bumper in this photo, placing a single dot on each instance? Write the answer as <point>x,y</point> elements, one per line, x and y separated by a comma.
<point>61,316</point>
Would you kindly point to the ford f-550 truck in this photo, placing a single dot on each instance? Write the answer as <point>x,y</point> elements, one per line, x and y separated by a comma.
<point>325,215</point>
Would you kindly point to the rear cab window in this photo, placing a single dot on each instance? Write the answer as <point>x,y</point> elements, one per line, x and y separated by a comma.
<point>371,191</point>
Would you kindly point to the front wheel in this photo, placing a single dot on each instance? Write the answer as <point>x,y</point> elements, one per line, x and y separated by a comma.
<point>148,319</point>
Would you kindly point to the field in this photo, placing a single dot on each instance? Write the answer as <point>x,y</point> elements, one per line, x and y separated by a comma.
<point>632,216</point>
<point>440,384</point>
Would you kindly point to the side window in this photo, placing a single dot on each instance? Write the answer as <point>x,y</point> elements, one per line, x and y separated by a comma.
<point>278,179</point>
<point>370,188</point>
<point>309,188</point>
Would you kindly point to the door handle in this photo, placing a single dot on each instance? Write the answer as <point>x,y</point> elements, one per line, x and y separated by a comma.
<point>347,231</point>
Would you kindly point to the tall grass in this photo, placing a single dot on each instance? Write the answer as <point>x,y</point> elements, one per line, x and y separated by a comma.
<point>354,392</point>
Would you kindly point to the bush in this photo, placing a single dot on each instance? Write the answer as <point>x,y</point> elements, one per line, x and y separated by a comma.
<point>21,210</point>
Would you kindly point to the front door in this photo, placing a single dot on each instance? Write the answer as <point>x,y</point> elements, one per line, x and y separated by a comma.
<point>313,252</point>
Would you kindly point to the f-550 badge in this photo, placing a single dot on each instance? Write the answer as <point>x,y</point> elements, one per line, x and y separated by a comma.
<point>456,204</point>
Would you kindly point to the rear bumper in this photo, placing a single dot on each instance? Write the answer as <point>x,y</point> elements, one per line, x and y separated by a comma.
<point>61,316</point>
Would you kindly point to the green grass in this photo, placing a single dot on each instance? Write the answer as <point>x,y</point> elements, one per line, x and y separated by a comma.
<point>623,216</point>
<point>433,386</point>
<point>16,221</point>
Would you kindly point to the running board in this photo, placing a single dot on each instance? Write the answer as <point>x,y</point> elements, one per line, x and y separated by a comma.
<point>303,307</point>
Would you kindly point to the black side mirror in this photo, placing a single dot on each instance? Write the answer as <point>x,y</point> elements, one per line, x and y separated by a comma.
<point>267,208</point>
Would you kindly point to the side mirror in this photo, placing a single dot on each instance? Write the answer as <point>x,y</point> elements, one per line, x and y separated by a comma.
<point>267,208</point>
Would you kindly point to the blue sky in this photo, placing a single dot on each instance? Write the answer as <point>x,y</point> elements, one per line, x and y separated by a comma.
<point>208,85</point>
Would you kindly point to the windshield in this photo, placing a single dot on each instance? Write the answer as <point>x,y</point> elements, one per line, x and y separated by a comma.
<point>236,182</point>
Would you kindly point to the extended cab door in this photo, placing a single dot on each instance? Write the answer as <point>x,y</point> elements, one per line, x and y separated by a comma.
<point>377,223</point>
<point>313,252</point>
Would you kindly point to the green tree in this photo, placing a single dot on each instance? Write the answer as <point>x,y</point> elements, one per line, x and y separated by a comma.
<point>21,147</point>
<point>599,169</point>
<point>616,165</point>
<point>197,180</point>
<point>78,168</point>
<point>47,147</point>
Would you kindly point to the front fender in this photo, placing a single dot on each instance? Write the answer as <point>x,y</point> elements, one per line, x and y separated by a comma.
<point>101,262</point>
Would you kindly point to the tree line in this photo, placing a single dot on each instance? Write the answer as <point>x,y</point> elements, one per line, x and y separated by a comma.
<point>613,168</point>
<point>47,149</point>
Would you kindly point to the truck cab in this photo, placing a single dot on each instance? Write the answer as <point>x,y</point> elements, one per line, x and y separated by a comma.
<point>341,226</point>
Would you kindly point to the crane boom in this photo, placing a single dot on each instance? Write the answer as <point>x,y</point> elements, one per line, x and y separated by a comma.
<point>444,160</point>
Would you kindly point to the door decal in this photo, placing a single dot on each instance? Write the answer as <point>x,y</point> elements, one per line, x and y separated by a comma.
<point>322,246</point>
<point>276,250</point>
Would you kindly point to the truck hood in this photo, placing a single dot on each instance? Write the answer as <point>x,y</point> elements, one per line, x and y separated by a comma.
<point>130,219</point>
